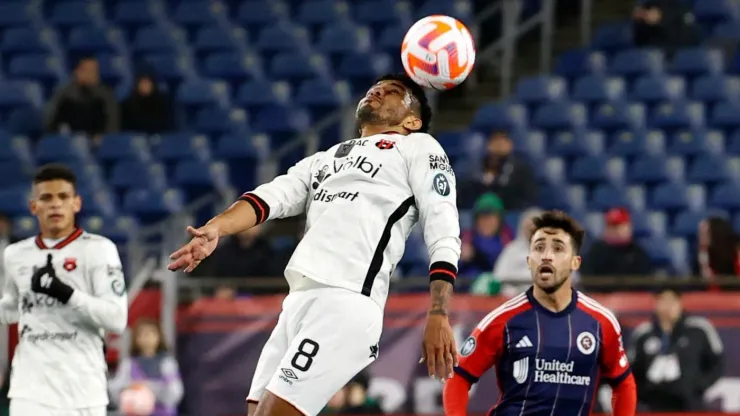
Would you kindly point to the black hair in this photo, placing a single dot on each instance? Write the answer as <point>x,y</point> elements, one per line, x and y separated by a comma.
<point>53,172</point>
<point>560,221</point>
<point>417,91</point>
<point>84,59</point>
<point>668,289</point>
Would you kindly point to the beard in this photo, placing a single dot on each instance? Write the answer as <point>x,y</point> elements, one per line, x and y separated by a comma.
<point>552,286</point>
<point>367,115</point>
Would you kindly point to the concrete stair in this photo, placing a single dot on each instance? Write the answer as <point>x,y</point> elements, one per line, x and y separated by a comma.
<point>457,107</point>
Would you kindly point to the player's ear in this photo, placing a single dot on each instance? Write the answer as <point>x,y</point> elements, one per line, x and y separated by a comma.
<point>32,206</point>
<point>77,203</point>
<point>575,263</point>
<point>412,123</point>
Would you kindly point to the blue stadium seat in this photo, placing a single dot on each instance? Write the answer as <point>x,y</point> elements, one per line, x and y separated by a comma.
<point>389,37</point>
<point>76,13</point>
<point>153,205</point>
<point>297,67</point>
<point>136,174</point>
<point>62,148</point>
<point>40,67</point>
<point>618,116</point>
<point>686,223</point>
<point>15,148</point>
<point>14,173</point>
<point>589,169</point>
<point>320,96</point>
<point>598,88</point>
<point>155,39</point>
<point>708,168</point>
<point>693,143</point>
<point>654,88</point>
<point>123,146</point>
<point>120,229</point>
<point>25,226</point>
<point>580,62</point>
<point>637,62</point>
<point>560,116</point>
<point>284,121</point>
<point>29,39</point>
<point>253,95</point>
<point>202,92</point>
<point>343,38</point>
<point>728,31</point>
<point>27,121</point>
<point>679,115</point>
<point>697,61</point>
<point>725,196</point>
<point>279,37</point>
<point>380,12</point>
<point>90,40</point>
<point>733,143</point>
<point>612,37</point>
<point>260,13</point>
<point>196,13</point>
<point>628,143</point>
<point>499,116</point>
<point>170,66</point>
<point>575,144</point>
<point>725,115</point>
<point>14,201</point>
<point>197,177</point>
<point>114,68</point>
<point>607,196</point>
<point>233,66</point>
<point>217,38</point>
<point>713,11</point>
<point>217,120</point>
<point>657,249</point>
<point>240,153</point>
<point>15,94</point>
<point>541,89</point>
<point>181,146</point>
<point>671,196</point>
<point>654,168</point>
<point>460,10</point>
<point>362,69</point>
<point>18,13</point>
<point>321,12</point>
<point>553,197</point>
<point>715,88</point>
<point>134,14</point>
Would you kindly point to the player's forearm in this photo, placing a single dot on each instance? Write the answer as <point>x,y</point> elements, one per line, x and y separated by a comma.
<point>109,314</point>
<point>9,310</point>
<point>240,216</point>
<point>441,293</point>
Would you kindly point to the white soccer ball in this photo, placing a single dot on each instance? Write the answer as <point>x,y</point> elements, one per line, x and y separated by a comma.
<point>438,52</point>
<point>137,400</point>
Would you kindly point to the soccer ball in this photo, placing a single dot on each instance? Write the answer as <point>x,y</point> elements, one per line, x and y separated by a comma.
<point>438,52</point>
<point>137,400</point>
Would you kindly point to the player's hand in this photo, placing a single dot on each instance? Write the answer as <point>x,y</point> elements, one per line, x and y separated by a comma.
<point>44,280</point>
<point>189,256</point>
<point>438,348</point>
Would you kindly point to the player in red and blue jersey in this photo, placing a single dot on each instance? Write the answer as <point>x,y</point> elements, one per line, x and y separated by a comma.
<point>552,345</point>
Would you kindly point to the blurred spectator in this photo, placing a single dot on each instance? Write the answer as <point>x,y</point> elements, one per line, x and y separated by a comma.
<point>717,247</point>
<point>147,109</point>
<point>616,253</point>
<point>247,254</point>
<point>150,366</point>
<point>675,358</point>
<point>482,245</point>
<point>352,399</point>
<point>84,105</point>
<point>665,24</point>
<point>511,268</point>
<point>504,174</point>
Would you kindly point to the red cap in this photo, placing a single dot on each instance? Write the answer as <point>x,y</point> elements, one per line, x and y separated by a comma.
<point>617,216</point>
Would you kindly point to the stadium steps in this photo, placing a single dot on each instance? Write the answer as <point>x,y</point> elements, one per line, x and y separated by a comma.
<point>457,108</point>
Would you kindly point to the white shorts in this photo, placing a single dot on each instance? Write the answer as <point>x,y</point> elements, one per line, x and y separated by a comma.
<point>19,407</point>
<point>323,338</point>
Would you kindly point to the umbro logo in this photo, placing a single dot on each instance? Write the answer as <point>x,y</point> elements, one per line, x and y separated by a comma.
<point>287,372</point>
<point>524,343</point>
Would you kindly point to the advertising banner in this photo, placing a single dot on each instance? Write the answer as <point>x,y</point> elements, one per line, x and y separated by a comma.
<point>219,344</point>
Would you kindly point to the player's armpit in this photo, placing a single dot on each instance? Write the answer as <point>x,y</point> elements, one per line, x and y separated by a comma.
<point>624,397</point>
<point>9,309</point>
<point>455,396</point>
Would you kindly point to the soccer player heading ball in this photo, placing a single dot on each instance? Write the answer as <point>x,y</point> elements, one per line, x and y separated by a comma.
<point>361,198</point>
<point>65,288</point>
<point>551,344</point>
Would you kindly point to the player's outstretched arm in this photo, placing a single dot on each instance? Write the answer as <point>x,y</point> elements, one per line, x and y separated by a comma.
<point>106,306</point>
<point>285,196</point>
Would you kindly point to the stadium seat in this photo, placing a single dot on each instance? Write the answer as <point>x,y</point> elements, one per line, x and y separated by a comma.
<point>123,146</point>
<point>713,11</point>
<point>137,174</point>
<point>171,67</point>
<point>217,38</point>
<point>541,89</point>
<point>560,116</point>
<point>202,92</point>
<point>679,115</point>
<point>697,61</point>
<point>151,206</point>
<point>675,196</point>
<point>155,39</point>
<point>321,97</point>
<point>257,93</point>
<point>725,196</point>
<point>197,177</point>
<point>628,143</point>
<point>637,62</point>
<point>575,144</point>
<point>14,174</point>
<point>693,143</point>
<point>612,37</point>
<point>91,40</point>
<point>241,155</point>
<point>76,13</point>
<point>655,88</point>
<point>135,14</point>
<point>182,146</point>
<point>18,13</point>
<point>724,115</point>
<point>598,88</point>
<point>199,13</point>
<point>343,38</point>
<point>715,88</point>
<point>497,116</point>
<point>607,196</point>
<point>14,94</point>
<point>590,170</point>
<point>619,116</point>
<point>686,223</point>
<point>321,12</point>
<point>120,230</point>
<point>217,120</point>
<point>14,201</point>
<point>29,40</point>
<point>580,62</point>
<point>381,13</point>
<point>63,148</point>
<point>298,67</point>
<point>39,67</point>
<point>280,37</point>
<point>708,168</point>
<point>257,14</point>
<point>653,169</point>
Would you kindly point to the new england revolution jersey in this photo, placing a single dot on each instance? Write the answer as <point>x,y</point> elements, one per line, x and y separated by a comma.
<point>547,363</point>
<point>361,198</point>
<point>59,359</point>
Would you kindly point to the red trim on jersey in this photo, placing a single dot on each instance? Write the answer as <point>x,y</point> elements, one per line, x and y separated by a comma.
<point>258,204</point>
<point>447,272</point>
<point>67,241</point>
<point>390,132</point>
<point>624,397</point>
<point>612,358</point>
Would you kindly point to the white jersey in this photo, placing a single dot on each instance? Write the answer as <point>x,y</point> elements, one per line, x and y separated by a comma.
<point>361,198</point>
<point>59,360</point>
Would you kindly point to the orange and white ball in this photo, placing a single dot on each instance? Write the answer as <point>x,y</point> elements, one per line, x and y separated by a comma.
<point>137,400</point>
<point>438,52</point>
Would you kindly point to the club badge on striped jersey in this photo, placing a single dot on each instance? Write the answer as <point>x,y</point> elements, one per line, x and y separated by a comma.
<point>586,343</point>
<point>468,346</point>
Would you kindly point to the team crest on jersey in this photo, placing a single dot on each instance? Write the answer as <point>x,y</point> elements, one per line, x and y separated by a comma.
<point>70,263</point>
<point>468,346</point>
<point>586,343</point>
<point>441,184</point>
<point>385,144</point>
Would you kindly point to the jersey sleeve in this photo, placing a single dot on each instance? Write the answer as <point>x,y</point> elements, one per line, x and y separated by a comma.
<point>283,197</point>
<point>106,306</point>
<point>481,350</point>
<point>615,366</point>
<point>433,183</point>
<point>9,313</point>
